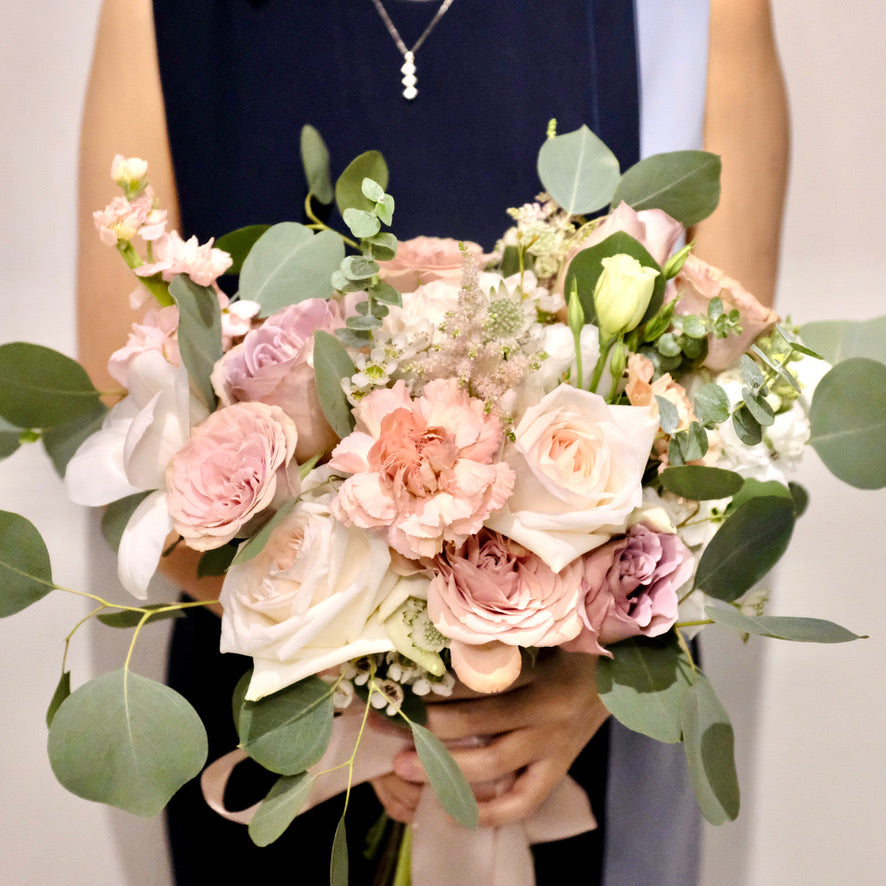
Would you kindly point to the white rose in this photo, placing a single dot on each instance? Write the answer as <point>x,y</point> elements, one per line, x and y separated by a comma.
<point>579,465</point>
<point>316,596</point>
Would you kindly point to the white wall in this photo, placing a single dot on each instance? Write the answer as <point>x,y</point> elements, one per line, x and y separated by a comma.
<point>809,719</point>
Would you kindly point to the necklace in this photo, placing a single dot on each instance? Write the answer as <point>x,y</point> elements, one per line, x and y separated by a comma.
<point>407,69</point>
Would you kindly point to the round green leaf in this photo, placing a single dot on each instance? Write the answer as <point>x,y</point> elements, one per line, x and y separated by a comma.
<point>349,187</point>
<point>238,243</point>
<point>578,171</point>
<point>838,340</point>
<point>25,570</point>
<point>701,483</point>
<point>643,685</point>
<point>289,731</point>
<point>685,184</point>
<point>289,264</point>
<point>127,741</point>
<point>279,808</point>
<point>42,388</point>
<point>747,545</point>
<point>848,420</point>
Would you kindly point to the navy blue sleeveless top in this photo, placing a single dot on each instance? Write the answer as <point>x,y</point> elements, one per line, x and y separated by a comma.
<point>241,77</point>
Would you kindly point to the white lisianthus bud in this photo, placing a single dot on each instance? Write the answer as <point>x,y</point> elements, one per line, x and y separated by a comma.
<point>622,294</point>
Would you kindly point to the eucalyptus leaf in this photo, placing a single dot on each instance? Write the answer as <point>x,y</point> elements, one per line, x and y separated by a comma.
<point>43,388</point>
<point>759,407</point>
<point>349,187</point>
<point>755,488</point>
<point>746,546</point>
<point>700,482</point>
<point>746,427</point>
<point>280,808</point>
<point>362,224</point>
<point>711,404</point>
<point>801,630</point>
<point>10,438</point>
<point>253,546</point>
<point>446,778</point>
<point>848,422</point>
<point>62,442</point>
<point>238,243</point>
<point>289,264</point>
<point>25,570</point>
<point>288,732</point>
<point>216,561</point>
<point>130,618</point>
<point>838,340</point>
<point>709,742</point>
<point>643,685</point>
<point>315,162</point>
<point>116,516</point>
<point>127,741</point>
<point>668,417</point>
<point>578,171</point>
<point>62,691</point>
<point>332,363</point>
<point>685,184</point>
<point>199,332</point>
<point>338,863</point>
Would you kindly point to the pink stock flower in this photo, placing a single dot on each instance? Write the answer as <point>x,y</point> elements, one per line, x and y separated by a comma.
<point>202,263</point>
<point>629,587</point>
<point>425,259</point>
<point>493,596</point>
<point>274,365</point>
<point>122,219</point>
<point>698,283</point>
<point>228,472</point>
<point>424,471</point>
<point>156,332</point>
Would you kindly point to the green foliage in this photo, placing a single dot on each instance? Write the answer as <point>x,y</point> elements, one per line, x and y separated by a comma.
<point>709,743</point>
<point>10,438</point>
<point>43,388</point>
<point>447,780</point>
<point>238,243</point>
<point>700,482</point>
<point>315,161</point>
<point>199,332</point>
<point>289,264</point>
<point>685,184</point>
<point>711,405</point>
<point>127,741</point>
<point>280,808</point>
<point>801,630</point>
<point>216,560</point>
<point>688,446</point>
<point>747,545</point>
<point>332,363</point>
<point>838,340</point>
<point>25,570</point>
<point>253,546</point>
<point>338,864</point>
<point>287,732</point>
<point>578,171</point>
<point>349,193</point>
<point>848,422</point>
<point>643,685</point>
<point>130,618</point>
<point>62,691</point>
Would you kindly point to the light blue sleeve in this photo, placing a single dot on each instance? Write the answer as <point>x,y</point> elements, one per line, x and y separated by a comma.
<point>672,41</point>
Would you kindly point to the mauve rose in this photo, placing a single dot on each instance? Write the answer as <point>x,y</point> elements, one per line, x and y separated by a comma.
<point>493,596</point>
<point>425,471</point>
<point>424,259</point>
<point>274,365</point>
<point>228,472</point>
<point>630,587</point>
<point>698,283</point>
<point>315,596</point>
<point>579,464</point>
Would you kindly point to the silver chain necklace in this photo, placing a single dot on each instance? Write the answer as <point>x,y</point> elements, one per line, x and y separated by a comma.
<point>407,69</point>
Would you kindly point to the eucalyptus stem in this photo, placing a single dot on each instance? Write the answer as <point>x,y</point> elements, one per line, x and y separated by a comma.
<point>317,224</point>
<point>685,647</point>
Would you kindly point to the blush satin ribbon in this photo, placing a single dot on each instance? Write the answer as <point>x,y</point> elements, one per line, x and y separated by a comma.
<point>494,856</point>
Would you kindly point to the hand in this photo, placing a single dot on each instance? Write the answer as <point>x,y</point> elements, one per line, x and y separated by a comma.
<point>535,731</point>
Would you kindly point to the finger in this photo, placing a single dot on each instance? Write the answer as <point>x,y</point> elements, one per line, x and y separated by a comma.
<point>528,791</point>
<point>399,798</point>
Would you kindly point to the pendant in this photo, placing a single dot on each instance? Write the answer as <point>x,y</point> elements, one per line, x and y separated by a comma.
<point>407,69</point>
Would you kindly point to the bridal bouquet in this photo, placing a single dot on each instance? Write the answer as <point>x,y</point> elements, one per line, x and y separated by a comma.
<point>418,462</point>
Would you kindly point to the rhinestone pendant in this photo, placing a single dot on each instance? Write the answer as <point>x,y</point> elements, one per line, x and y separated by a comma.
<point>407,69</point>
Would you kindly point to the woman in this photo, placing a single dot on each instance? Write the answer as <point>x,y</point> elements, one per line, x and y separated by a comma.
<point>239,79</point>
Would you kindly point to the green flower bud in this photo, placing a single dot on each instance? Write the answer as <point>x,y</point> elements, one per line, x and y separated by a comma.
<point>622,294</point>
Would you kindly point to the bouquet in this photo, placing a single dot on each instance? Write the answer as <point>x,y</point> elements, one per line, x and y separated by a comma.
<point>416,462</point>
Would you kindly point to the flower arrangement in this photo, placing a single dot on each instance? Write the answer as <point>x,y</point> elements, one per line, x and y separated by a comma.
<point>416,462</point>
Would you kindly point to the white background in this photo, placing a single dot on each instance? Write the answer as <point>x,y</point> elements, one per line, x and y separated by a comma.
<point>810,721</point>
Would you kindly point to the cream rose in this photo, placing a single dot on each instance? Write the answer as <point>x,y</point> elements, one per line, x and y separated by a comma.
<point>579,464</point>
<point>424,259</point>
<point>316,596</point>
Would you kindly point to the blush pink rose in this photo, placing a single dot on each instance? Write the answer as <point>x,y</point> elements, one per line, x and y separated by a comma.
<point>228,472</point>
<point>425,471</point>
<point>424,259</point>
<point>274,365</point>
<point>493,596</point>
<point>698,283</point>
<point>629,587</point>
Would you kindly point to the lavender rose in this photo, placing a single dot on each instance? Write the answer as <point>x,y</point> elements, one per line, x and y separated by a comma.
<point>630,588</point>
